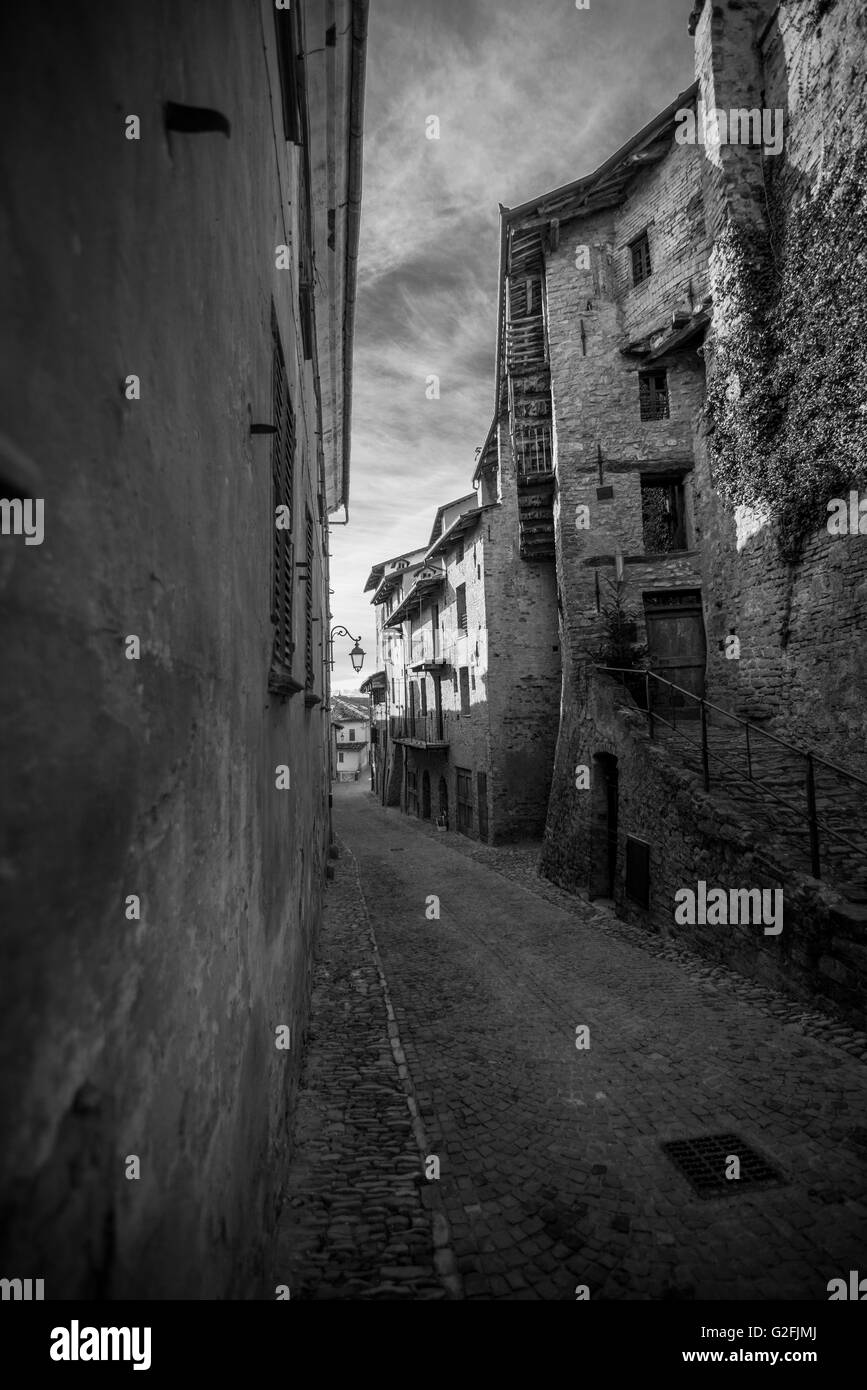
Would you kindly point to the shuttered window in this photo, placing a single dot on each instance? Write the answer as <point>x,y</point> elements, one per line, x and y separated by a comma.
<point>461,596</point>
<point>283,478</point>
<point>308,600</point>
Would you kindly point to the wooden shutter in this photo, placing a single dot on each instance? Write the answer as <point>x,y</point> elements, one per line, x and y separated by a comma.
<point>308,604</point>
<point>283,478</point>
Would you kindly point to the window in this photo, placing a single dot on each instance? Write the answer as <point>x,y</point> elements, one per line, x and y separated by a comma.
<point>351,735</point>
<point>653,395</point>
<point>640,252</point>
<point>662,513</point>
<point>464,675</point>
<point>308,599</point>
<point>423,689</point>
<point>459,552</point>
<point>340,755</point>
<point>465,799</point>
<point>461,596</point>
<point>282,487</point>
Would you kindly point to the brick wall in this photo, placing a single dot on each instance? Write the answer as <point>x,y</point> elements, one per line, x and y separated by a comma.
<point>818,953</point>
<point>801,659</point>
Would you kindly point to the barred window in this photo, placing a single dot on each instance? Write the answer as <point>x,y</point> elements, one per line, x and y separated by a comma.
<point>653,395</point>
<point>282,479</point>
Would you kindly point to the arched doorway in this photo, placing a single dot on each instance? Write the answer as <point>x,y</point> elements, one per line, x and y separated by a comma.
<point>444,803</point>
<point>425,796</point>
<point>603,826</point>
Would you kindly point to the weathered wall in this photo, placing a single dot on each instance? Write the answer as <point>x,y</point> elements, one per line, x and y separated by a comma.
<point>802,661</point>
<point>524,660</point>
<point>153,777</point>
<point>595,388</point>
<point>818,953</point>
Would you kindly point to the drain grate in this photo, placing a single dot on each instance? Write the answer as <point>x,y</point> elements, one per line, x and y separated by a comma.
<point>703,1162</point>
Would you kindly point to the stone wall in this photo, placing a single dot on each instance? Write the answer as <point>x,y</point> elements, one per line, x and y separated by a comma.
<point>801,661</point>
<point>819,952</point>
<point>151,777</point>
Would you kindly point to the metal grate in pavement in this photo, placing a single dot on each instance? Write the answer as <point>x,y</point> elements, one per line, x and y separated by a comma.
<point>704,1161</point>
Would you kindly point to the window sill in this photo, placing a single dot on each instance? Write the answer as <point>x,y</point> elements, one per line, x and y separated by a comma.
<point>282,682</point>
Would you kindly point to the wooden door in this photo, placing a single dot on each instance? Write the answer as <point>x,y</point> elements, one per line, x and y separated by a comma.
<point>676,648</point>
<point>482,792</point>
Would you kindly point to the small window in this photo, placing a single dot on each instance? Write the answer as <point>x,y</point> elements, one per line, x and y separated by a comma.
<point>461,596</point>
<point>464,675</point>
<point>653,395</point>
<point>340,755</point>
<point>662,514</point>
<point>640,252</point>
<point>351,735</point>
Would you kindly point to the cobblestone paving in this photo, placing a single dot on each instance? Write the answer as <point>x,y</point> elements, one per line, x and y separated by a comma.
<point>551,1169</point>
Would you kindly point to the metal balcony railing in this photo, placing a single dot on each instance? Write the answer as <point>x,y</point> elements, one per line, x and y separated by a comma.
<point>752,759</point>
<point>533,451</point>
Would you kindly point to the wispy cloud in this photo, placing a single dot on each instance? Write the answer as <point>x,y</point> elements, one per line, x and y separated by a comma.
<point>529,94</point>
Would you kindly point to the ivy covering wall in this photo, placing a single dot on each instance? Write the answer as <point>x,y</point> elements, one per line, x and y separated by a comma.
<point>787,395</point>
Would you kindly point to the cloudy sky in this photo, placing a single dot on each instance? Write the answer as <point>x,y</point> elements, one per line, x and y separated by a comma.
<point>529,94</point>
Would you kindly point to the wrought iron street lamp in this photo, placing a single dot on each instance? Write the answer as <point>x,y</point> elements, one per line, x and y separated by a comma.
<point>356,656</point>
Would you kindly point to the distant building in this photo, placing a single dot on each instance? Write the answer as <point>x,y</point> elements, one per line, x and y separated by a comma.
<point>350,724</point>
<point>465,698</point>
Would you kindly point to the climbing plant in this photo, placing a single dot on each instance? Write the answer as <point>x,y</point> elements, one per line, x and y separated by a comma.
<point>787,397</point>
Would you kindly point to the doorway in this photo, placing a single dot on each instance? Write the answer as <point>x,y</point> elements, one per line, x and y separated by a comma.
<point>444,802</point>
<point>603,826</point>
<point>425,795</point>
<point>676,650</point>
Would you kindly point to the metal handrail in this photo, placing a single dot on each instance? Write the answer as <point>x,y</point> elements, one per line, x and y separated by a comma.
<point>813,821</point>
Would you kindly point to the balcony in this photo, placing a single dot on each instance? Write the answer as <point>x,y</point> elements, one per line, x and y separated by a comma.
<point>535,464</point>
<point>426,651</point>
<point>533,452</point>
<point>420,730</point>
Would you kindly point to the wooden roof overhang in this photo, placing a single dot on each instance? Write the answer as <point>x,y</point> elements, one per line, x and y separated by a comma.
<point>377,679</point>
<point>680,336</point>
<point>464,523</point>
<point>528,232</point>
<point>426,584</point>
<point>392,581</point>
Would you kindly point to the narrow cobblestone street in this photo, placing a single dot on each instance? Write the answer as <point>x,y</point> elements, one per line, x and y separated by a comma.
<point>455,1040</point>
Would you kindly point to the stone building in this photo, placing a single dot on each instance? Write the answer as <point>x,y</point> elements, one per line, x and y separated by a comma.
<point>731,760</point>
<point>466,692</point>
<point>180,237</point>
<point>350,723</point>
